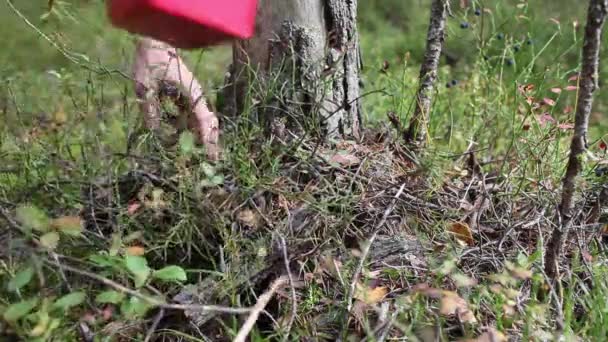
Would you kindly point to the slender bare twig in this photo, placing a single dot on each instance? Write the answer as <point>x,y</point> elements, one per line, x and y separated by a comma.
<point>258,308</point>
<point>294,297</point>
<point>588,81</point>
<point>364,254</point>
<point>154,325</point>
<point>154,301</point>
<point>6,216</point>
<point>67,54</point>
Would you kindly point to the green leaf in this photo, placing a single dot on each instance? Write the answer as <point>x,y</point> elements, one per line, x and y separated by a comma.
<point>21,279</point>
<point>69,300</point>
<point>208,169</point>
<point>138,266</point>
<point>33,218</point>
<point>171,273</point>
<point>135,308</point>
<point>18,310</point>
<point>112,297</point>
<point>186,142</point>
<point>217,179</point>
<point>106,260</point>
<point>116,244</point>
<point>50,240</point>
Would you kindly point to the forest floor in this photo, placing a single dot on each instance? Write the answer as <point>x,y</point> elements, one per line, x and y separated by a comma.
<point>112,235</point>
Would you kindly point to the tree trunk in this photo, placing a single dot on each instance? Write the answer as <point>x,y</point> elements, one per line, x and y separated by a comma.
<point>418,130</point>
<point>588,80</point>
<point>301,68</point>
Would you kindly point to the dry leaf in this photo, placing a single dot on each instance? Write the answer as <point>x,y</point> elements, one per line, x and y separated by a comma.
<point>508,310</point>
<point>519,272</point>
<point>462,280</point>
<point>549,102</point>
<point>135,251</point>
<point>71,225</point>
<point>428,334</point>
<point>587,256</point>
<point>496,288</point>
<point>545,118</point>
<point>426,290</point>
<point>565,126</point>
<point>331,265</point>
<point>344,159</point>
<point>50,240</point>
<point>107,312</point>
<point>462,232</point>
<point>248,218</point>
<point>368,295</point>
<point>453,304</point>
<point>133,207</point>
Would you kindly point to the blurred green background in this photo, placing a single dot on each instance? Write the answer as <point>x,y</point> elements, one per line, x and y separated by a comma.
<point>521,40</point>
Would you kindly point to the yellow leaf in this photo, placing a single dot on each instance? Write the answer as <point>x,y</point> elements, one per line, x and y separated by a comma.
<point>462,280</point>
<point>370,296</point>
<point>462,232</point>
<point>519,272</point>
<point>50,240</point>
<point>71,225</point>
<point>60,117</point>
<point>453,304</point>
<point>41,327</point>
<point>135,251</point>
<point>331,265</point>
<point>248,218</point>
<point>508,310</point>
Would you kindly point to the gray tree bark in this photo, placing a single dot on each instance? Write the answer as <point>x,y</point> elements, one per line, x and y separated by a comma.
<point>302,64</point>
<point>588,83</point>
<point>418,131</point>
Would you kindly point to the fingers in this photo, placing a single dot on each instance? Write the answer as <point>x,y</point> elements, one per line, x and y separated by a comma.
<point>157,64</point>
<point>209,131</point>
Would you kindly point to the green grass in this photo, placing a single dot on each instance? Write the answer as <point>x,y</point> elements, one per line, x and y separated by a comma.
<point>67,123</point>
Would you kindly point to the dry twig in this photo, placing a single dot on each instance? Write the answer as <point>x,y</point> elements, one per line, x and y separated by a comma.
<point>258,308</point>
<point>364,254</point>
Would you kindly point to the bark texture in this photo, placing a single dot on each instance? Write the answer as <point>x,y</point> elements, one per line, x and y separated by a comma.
<point>302,64</point>
<point>588,83</point>
<point>418,130</point>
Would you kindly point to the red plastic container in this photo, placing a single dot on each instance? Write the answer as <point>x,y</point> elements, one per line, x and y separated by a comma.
<point>185,24</point>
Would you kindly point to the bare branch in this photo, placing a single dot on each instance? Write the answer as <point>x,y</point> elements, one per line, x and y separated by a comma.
<point>418,130</point>
<point>596,16</point>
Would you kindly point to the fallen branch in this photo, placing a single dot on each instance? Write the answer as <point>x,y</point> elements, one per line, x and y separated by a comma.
<point>294,297</point>
<point>259,307</point>
<point>154,301</point>
<point>365,253</point>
